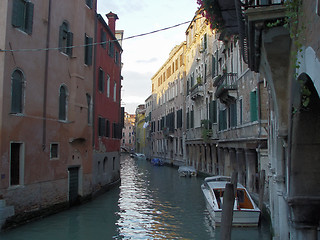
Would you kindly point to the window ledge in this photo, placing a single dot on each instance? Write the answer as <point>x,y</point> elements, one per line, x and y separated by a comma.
<point>17,114</point>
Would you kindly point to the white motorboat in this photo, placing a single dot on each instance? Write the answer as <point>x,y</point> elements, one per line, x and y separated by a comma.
<point>245,211</point>
<point>187,171</point>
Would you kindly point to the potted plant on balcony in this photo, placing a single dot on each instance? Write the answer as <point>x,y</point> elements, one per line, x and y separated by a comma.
<point>206,129</point>
<point>199,80</point>
<point>212,13</point>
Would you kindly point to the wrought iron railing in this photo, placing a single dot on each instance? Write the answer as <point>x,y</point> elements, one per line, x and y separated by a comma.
<point>260,3</point>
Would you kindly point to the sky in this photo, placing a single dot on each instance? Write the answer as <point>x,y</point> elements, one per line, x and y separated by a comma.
<point>143,56</point>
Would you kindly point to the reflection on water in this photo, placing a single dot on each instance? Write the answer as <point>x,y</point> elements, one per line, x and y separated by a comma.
<point>151,203</point>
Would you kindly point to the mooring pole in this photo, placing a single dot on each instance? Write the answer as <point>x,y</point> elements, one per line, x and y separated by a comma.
<point>227,212</point>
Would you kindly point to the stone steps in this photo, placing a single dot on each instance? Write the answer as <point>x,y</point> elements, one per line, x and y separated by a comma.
<point>5,212</point>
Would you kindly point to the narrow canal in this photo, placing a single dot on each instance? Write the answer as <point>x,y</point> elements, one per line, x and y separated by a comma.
<point>151,203</point>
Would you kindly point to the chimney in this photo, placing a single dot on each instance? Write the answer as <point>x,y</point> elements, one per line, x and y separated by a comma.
<point>112,17</point>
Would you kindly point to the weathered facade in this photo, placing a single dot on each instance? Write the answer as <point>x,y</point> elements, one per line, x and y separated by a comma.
<point>46,138</point>
<point>287,59</point>
<point>226,112</point>
<point>49,134</point>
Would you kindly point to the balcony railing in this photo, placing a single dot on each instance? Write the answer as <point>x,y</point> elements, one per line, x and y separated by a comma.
<point>226,78</point>
<point>196,91</point>
<point>226,87</point>
<point>240,16</point>
<point>261,3</point>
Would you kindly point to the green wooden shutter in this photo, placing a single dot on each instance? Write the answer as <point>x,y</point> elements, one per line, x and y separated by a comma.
<point>29,17</point>
<point>205,41</point>
<point>253,106</point>
<point>233,113</point>
<point>188,121</point>
<point>192,119</point>
<point>17,19</point>
<point>214,110</point>
<point>69,43</point>
<point>213,66</point>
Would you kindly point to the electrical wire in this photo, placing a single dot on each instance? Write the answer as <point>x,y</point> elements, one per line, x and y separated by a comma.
<point>97,43</point>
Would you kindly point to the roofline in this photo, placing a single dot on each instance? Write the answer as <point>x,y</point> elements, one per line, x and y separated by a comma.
<point>103,22</point>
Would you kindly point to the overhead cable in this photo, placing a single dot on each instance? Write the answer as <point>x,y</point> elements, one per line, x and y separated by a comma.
<point>97,43</point>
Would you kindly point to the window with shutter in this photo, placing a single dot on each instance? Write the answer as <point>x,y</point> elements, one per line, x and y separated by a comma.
<point>188,120</point>
<point>103,39</point>
<point>101,80</point>
<point>205,41</point>
<point>89,102</point>
<point>111,49</point>
<point>17,92</point>
<point>192,119</point>
<point>89,3</point>
<point>222,119</point>
<point>233,115</point>
<point>65,39</point>
<point>88,50</point>
<point>240,111</point>
<point>253,106</point>
<point>22,15</point>
<point>107,128</point>
<point>63,103</point>
<point>101,127</point>
<point>213,66</point>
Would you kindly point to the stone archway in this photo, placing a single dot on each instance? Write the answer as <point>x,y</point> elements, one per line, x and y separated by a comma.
<point>304,165</point>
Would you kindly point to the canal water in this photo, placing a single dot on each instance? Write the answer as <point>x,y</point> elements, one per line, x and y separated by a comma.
<point>150,203</point>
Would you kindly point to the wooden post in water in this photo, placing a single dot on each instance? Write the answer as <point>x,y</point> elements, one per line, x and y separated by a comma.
<point>234,181</point>
<point>261,188</point>
<point>227,212</point>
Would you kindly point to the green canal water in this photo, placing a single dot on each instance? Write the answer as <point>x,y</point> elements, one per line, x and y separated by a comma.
<point>150,203</point>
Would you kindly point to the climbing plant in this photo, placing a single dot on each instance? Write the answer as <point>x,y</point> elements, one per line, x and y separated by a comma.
<point>212,13</point>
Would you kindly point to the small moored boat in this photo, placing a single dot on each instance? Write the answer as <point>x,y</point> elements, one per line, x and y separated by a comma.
<point>245,211</point>
<point>157,162</point>
<point>187,171</point>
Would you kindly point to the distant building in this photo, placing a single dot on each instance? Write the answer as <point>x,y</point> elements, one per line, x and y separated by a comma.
<point>166,109</point>
<point>140,129</point>
<point>128,135</point>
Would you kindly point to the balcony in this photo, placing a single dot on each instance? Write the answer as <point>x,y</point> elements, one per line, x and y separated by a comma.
<point>196,91</point>
<point>226,88</point>
<point>248,19</point>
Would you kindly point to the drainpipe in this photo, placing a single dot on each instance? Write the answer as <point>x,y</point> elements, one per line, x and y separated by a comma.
<point>94,79</point>
<point>45,85</point>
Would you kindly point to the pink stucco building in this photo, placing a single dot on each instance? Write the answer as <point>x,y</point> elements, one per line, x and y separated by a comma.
<point>46,102</point>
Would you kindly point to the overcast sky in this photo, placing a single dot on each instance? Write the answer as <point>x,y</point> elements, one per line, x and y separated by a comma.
<point>143,56</point>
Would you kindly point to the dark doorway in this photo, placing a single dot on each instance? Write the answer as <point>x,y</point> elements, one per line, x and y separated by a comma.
<point>73,184</point>
<point>15,164</point>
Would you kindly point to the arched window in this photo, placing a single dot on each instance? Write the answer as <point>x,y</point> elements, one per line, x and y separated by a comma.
<point>63,103</point>
<point>65,39</point>
<point>17,91</point>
